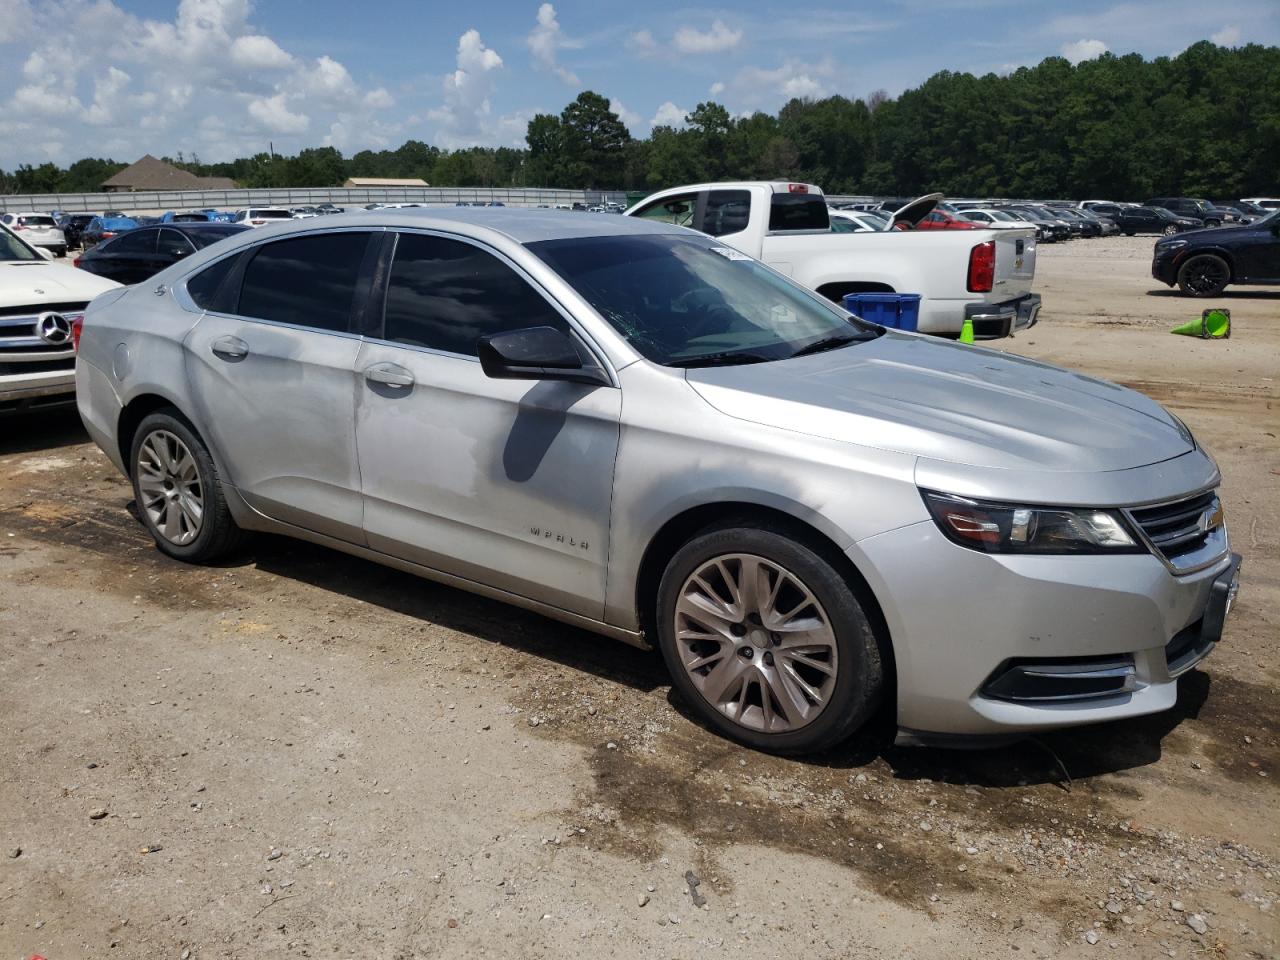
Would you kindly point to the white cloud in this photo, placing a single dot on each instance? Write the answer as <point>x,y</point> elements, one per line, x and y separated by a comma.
<point>629,117</point>
<point>1078,51</point>
<point>546,39</point>
<point>379,99</point>
<point>642,42</point>
<point>758,88</point>
<point>256,52</point>
<point>1228,36</point>
<point>466,118</point>
<point>37,99</point>
<point>719,38</point>
<point>717,88</point>
<point>669,115</point>
<point>274,115</point>
<point>106,97</point>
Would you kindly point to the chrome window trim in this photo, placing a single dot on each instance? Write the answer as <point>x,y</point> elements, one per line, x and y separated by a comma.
<point>1214,550</point>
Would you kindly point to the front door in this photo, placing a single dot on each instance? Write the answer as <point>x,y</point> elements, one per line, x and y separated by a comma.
<point>272,373</point>
<point>1258,255</point>
<point>503,482</point>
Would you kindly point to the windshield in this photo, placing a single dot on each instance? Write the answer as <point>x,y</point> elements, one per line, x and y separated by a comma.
<point>270,215</point>
<point>11,248</point>
<point>1271,220</point>
<point>685,301</point>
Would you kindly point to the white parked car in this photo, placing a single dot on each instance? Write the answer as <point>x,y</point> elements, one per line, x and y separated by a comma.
<point>858,221</point>
<point>38,229</point>
<point>993,219</point>
<point>261,216</point>
<point>41,307</point>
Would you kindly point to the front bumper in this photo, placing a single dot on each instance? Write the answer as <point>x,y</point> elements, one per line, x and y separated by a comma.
<point>24,391</point>
<point>991,321</point>
<point>1164,266</point>
<point>960,621</point>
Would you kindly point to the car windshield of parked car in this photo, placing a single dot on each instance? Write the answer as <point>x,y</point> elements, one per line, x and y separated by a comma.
<point>685,302</point>
<point>41,222</point>
<point>11,248</point>
<point>1270,222</point>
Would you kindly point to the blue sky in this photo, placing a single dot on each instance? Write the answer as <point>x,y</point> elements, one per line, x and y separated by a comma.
<point>223,78</point>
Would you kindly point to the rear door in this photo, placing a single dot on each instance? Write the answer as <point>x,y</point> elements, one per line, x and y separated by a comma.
<point>502,482</point>
<point>129,258</point>
<point>1257,255</point>
<point>271,364</point>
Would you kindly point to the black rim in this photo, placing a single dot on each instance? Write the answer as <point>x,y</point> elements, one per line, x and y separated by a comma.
<point>1206,275</point>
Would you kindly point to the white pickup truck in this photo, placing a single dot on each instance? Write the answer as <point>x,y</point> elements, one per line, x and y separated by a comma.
<point>982,274</point>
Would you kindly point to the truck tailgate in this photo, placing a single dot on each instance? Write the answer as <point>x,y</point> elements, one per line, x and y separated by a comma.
<point>1015,263</point>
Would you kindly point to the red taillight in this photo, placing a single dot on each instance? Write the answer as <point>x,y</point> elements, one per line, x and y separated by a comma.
<point>77,328</point>
<point>108,233</point>
<point>257,223</point>
<point>982,267</point>
<point>797,188</point>
<point>75,262</point>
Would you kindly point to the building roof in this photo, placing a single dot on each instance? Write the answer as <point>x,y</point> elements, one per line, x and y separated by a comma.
<point>384,182</point>
<point>152,174</point>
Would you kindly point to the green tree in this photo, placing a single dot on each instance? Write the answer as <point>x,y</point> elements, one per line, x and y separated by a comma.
<point>594,142</point>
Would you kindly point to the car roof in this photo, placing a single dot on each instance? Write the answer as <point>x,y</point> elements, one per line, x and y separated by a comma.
<point>521,224</point>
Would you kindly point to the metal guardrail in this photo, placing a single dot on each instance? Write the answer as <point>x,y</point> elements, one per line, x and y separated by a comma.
<point>159,201</point>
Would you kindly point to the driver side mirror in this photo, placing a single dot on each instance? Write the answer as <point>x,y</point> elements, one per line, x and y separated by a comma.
<point>536,353</point>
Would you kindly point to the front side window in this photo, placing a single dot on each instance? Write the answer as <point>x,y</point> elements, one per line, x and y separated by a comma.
<point>678,210</point>
<point>308,281</point>
<point>685,301</point>
<point>134,243</point>
<point>444,294</point>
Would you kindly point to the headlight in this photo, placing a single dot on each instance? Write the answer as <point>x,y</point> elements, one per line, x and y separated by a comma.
<point>1173,244</point>
<point>1008,528</point>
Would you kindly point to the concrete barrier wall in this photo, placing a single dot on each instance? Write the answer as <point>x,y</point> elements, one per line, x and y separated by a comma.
<point>159,202</point>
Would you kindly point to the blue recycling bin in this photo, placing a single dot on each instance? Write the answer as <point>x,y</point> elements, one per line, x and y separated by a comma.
<point>898,310</point>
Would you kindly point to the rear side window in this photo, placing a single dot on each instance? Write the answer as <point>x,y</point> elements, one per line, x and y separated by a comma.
<point>307,281</point>
<point>798,211</point>
<point>208,288</point>
<point>727,211</point>
<point>445,294</point>
<point>174,244</point>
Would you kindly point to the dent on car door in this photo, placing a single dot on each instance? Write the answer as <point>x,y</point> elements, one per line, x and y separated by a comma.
<point>504,482</point>
<point>271,366</point>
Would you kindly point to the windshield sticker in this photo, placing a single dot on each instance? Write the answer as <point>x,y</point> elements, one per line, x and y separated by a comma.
<point>729,253</point>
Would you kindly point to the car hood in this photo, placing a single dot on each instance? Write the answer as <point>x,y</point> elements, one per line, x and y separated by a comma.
<point>33,282</point>
<point>950,402</point>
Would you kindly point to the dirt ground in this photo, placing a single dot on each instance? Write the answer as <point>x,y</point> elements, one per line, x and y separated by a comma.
<point>302,754</point>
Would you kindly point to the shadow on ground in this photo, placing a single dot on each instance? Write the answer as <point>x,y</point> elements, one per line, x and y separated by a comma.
<point>47,430</point>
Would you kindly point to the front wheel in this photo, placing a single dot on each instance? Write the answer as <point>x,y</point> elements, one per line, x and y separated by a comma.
<point>766,641</point>
<point>176,488</point>
<point>1170,230</point>
<point>1204,275</point>
<point>1128,233</point>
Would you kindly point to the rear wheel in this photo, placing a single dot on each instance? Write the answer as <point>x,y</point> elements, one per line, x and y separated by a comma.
<point>176,487</point>
<point>1204,275</point>
<point>766,641</point>
<point>1128,233</point>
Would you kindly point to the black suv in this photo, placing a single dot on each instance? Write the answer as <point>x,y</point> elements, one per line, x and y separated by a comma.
<point>1204,262</point>
<point>1189,207</point>
<point>1133,220</point>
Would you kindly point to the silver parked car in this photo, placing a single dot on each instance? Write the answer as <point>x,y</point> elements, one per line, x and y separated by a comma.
<point>633,428</point>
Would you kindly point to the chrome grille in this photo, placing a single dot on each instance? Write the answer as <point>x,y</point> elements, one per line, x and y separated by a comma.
<point>1187,533</point>
<point>20,341</point>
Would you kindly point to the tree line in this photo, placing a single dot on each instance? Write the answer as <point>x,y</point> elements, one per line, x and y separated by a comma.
<point>1203,123</point>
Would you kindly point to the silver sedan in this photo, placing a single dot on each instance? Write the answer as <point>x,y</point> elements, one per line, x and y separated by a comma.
<point>632,428</point>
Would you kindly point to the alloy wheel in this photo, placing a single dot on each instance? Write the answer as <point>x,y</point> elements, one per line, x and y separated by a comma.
<point>756,643</point>
<point>172,492</point>
<point>1170,230</point>
<point>1206,275</point>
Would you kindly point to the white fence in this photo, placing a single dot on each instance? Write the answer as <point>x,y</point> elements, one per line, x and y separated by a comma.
<point>158,202</point>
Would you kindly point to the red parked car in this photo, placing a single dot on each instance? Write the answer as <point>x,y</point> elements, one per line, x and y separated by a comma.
<point>941,220</point>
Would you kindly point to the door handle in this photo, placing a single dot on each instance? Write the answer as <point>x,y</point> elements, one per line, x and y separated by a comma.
<point>389,374</point>
<point>230,348</point>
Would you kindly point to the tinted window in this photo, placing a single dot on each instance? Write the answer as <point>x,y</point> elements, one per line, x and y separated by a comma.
<point>727,211</point>
<point>207,235</point>
<point>173,244</point>
<point>37,221</point>
<point>135,242</point>
<point>445,294</point>
<point>207,288</point>
<point>309,281</point>
<point>798,211</point>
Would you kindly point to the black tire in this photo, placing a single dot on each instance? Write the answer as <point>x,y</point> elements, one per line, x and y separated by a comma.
<point>1213,223</point>
<point>60,252</point>
<point>1171,229</point>
<point>1204,275</point>
<point>218,535</point>
<point>858,686</point>
<point>1128,233</point>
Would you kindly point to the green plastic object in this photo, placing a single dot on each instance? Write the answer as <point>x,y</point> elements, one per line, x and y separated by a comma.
<point>966,330</point>
<point>1214,324</point>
